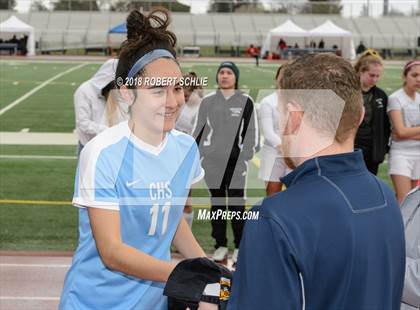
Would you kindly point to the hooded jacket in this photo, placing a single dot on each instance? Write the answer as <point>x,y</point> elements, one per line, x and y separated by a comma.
<point>89,103</point>
<point>227,127</point>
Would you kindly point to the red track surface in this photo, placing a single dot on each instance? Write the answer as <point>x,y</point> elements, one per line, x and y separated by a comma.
<point>33,280</point>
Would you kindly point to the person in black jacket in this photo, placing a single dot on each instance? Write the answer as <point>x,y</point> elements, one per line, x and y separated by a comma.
<point>226,132</point>
<point>374,131</point>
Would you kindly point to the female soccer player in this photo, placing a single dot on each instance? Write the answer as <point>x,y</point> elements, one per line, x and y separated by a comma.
<point>132,182</point>
<point>373,133</point>
<point>272,164</point>
<point>404,112</point>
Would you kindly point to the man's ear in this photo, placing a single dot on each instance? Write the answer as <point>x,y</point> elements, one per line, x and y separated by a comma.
<point>127,95</point>
<point>362,115</point>
<point>294,120</point>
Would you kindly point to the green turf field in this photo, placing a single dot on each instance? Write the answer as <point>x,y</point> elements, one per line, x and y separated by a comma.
<point>28,173</point>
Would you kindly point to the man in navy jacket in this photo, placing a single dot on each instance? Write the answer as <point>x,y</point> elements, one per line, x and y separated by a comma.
<point>335,238</point>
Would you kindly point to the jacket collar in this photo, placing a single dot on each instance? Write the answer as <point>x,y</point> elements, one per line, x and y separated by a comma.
<point>220,94</point>
<point>330,165</point>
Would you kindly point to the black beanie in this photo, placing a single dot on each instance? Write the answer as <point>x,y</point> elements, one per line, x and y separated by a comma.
<point>231,65</point>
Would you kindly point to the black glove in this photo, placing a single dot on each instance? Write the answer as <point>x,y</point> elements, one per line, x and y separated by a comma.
<point>187,282</point>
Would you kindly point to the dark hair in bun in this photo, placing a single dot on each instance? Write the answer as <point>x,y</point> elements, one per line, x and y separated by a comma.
<point>144,34</point>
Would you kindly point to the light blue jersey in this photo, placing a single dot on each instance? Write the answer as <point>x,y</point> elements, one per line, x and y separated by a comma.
<point>149,186</point>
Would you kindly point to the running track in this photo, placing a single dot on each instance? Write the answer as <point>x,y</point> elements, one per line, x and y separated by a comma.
<point>33,281</point>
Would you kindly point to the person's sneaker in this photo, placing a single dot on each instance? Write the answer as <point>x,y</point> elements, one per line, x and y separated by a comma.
<point>235,257</point>
<point>221,255</point>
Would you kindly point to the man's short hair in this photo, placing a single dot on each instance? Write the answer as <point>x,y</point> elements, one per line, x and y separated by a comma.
<point>327,71</point>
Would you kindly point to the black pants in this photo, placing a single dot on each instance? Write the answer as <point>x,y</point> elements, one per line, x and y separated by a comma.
<point>227,191</point>
<point>257,60</point>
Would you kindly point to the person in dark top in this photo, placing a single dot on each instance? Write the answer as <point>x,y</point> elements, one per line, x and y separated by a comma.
<point>334,239</point>
<point>282,44</point>
<point>321,44</point>
<point>374,131</point>
<point>360,48</point>
<point>312,44</point>
<point>227,135</point>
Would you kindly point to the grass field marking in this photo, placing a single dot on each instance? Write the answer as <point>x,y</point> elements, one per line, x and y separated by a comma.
<point>186,62</point>
<point>266,70</point>
<point>16,62</point>
<point>39,82</point>
<point>37,157</point>
<point>29,298</point>
<point>45,83</point>
<point>37,265</point>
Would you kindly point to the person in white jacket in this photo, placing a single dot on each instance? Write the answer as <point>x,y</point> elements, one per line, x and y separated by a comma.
<point>272,166</point>
<point>193,95</point>
<point>410,210</point>
<point>90,103</point>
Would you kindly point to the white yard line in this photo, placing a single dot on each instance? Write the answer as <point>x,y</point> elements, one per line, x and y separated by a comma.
<point>34,90</point>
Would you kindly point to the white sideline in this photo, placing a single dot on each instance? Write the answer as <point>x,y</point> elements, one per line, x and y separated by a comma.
<point>38,138</point>
<point>45,83</point>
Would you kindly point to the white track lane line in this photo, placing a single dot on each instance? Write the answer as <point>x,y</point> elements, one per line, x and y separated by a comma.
<point>37,265</point>
<point>34,90</point>
<point>29,298</point>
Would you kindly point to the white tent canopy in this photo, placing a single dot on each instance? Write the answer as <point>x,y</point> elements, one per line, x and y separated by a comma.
<point>14,25</point>
<point>289,32</point>
<point>331,34</point>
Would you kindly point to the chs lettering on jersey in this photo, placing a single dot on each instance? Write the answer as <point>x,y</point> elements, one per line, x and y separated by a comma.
<point>148,186</point>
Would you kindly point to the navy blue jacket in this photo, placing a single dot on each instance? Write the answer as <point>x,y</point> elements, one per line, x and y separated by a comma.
<point>333,240</point>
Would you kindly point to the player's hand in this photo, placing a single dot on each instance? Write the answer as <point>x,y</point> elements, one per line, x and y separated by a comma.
<point>207,306</point>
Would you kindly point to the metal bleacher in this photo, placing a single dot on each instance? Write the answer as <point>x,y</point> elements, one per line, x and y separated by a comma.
<point>263,23</point>
<point>204,32</point>
<point>306,22</point>
<point>183,21</point>
<point>225,31</point>
<point>246,30</point>
<point>84,30</point>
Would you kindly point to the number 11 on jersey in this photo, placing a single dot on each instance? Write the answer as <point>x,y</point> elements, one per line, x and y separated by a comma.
<point>154,212</point>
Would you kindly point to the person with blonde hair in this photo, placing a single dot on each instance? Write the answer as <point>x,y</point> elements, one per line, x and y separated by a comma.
<point>374,131</point>
<point>116,110</point>
<point>404,112</point>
